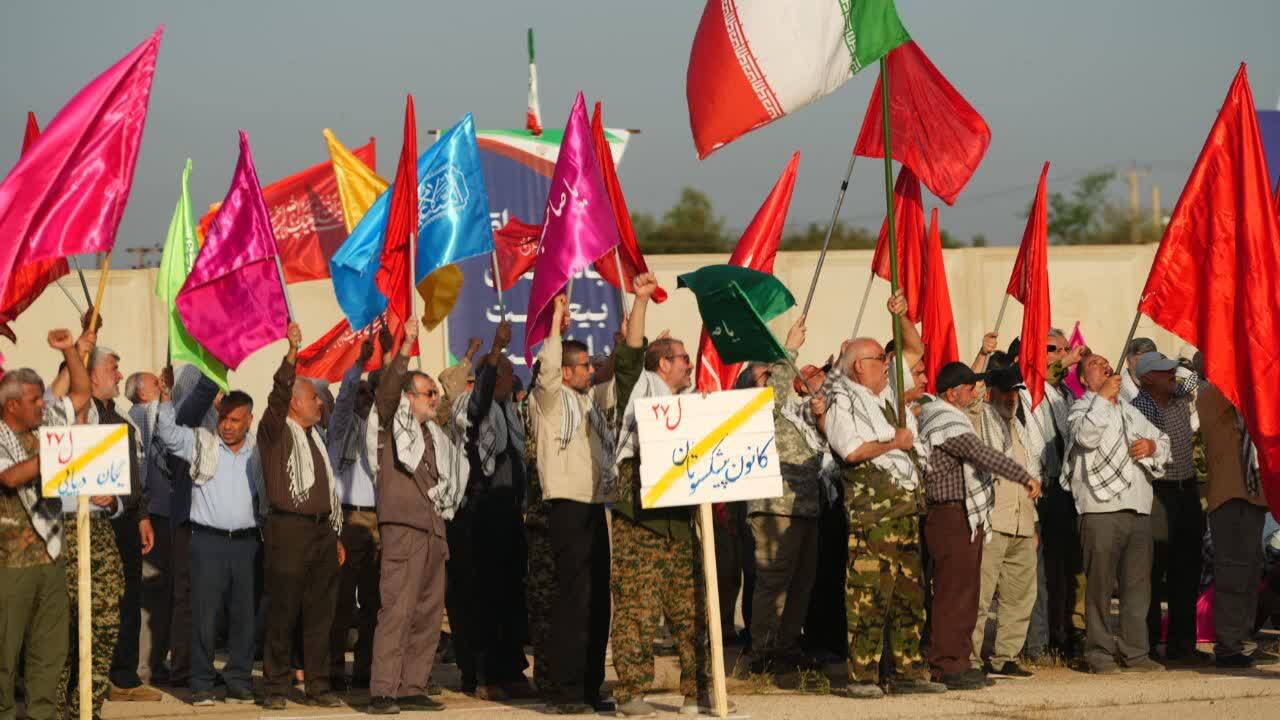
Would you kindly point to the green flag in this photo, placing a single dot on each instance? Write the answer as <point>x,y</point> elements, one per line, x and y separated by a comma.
<point>736,303</point>
<point>180,249</point>
<point>871,29</point>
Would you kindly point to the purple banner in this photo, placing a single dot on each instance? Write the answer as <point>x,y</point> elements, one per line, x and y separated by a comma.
<point>516,188</point>
<point>1269,126</point>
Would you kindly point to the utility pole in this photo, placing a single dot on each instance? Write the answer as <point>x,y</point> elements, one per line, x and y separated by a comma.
<point>141,252</point>
<point>1133,173</point>
<point>1157,213</point>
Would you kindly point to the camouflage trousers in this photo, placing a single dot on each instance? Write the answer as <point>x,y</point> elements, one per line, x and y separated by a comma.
<point>884,591</point>
<point>656,578</point>
<point>107,586</point>
<point>540,594</point>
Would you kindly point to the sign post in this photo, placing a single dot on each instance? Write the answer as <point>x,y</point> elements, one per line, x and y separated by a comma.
<point>699,450</point>
<point>81,461</point>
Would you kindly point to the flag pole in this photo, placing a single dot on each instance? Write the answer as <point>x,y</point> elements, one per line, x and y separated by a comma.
<point>83,285</point>
<point>1124,352</point>
<point>70,297</point>
<point>413,274</point>
<point>719,693</point>
<point>284,287</point>
<point>497,285</point>
<point>857,324</point>
<point>826,241</point>
<point>1000,318</point>
<point>893,236</point>
<point>622,282</point>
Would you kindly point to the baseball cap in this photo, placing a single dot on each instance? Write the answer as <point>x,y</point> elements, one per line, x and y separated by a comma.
<point>955,374</point>
<point>1007,378</point>
<point>1153,362</point>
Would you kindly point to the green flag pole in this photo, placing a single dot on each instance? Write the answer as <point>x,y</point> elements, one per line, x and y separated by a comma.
<point>893,236</point>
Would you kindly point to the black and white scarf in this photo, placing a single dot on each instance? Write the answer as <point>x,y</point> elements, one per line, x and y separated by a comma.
<point>571,421</point>
<point>205,463</point>
<point>941,421</point>
<point>870,422</point>
<point>302,470</point>
<point>499,430</point>
<point>44,513</point>
<point>452,466</point>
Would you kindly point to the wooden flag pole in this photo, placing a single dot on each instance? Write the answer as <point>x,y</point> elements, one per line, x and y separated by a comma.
<point>84,583</point>
<point>826,241</point>
<point>893,237</point>
<point>857,324</point>
<point>1000,318</point>
<point>719,693</point>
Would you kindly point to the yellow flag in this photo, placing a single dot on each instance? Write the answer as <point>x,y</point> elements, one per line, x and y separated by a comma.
<point>439,291</point>
<point>358,186</point>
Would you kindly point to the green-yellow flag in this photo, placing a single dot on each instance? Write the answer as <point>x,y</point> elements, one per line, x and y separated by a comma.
<point>180,249</point>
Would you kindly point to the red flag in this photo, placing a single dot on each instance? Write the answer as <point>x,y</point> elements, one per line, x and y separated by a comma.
<point>306,216</point>
<point>329,357</point>
<point>628,251</point>
<point>936,132</point>
<point>31,279</point>
<point>756,249</point>
<point>1029,285</point>
<point>908,225</point>
<point>938,325</point>
<point>67,195</point>
<point>402,223</point>
<point>1216,276</point>
<point>516,246</point>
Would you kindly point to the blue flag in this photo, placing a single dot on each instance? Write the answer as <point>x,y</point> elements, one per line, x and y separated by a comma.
<point>453,225</point>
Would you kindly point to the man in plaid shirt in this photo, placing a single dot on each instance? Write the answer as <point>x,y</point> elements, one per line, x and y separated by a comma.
<point>1177,520</point>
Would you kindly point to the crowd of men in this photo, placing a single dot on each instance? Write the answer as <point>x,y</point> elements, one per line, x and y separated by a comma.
<point>931,544</point>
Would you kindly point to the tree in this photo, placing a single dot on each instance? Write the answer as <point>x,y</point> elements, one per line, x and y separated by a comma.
<point>949,241</point>
<point>1076,221</point>
<point>842,238</point>
<point>979,240</point>
<point>690,226</point>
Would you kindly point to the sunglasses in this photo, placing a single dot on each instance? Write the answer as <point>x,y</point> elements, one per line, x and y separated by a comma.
<point>429,393</point>
<point>1056,348</point>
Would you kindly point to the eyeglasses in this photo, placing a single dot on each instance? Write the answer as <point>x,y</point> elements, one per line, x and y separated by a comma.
<point>882,357</point>
<point>430,393</point>
<point>684,356</point>
<point>1056,348</point>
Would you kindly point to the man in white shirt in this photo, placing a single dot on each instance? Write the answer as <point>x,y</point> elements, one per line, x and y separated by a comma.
<point>1113,454</point>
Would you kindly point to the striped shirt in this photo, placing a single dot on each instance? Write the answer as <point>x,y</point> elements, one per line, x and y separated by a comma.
<point>1175,420</point>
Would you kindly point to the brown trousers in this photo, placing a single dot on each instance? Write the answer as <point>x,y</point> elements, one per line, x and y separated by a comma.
<point>412,588</point>
<point>957,574</point>
<point>301,577</point>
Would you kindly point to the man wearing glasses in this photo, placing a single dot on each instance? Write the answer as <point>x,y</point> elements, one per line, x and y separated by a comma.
<point>421,480</point>
<point>884,585</point>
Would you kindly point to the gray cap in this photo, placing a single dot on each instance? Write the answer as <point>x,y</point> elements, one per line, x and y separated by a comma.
<point>1153,362</point>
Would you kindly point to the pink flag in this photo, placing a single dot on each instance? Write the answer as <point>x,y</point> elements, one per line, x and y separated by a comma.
<point>578,227</point>
<point>1077,339</point>
<point>66,195</point>
<point>233,302</point>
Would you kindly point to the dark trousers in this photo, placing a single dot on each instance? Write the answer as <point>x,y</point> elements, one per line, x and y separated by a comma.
<point>180,623</point>
<point>301,575</point>
<point>1177,529</point>
<point>1060,541</point>
<point>34,615</point>
<point>124,663</point>
<point>157,603</point>
<point>485,593</point>
<point>358,598</point>
<point>1117,554</point>
<point>957,561</point>
<point>826,625</point>
<point>223,580</point>
<point>580,613</point>
<point>1237,571</point>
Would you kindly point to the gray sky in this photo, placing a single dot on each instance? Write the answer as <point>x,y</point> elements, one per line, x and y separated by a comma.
<point>1085,84</point>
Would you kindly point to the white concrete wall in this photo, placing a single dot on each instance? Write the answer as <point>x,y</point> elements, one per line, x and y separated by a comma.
<point>1099,286</point>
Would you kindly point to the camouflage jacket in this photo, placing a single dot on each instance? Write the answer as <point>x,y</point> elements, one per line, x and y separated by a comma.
<point>800,462</point>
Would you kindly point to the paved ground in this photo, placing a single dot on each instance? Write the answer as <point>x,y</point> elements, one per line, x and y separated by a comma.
<point>1055,692</point>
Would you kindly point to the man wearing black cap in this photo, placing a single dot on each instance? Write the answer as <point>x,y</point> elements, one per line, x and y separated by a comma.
<point>959,496</point>
<point>1007,424</point>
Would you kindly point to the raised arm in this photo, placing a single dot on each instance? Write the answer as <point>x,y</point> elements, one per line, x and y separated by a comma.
<point>174,438</point>
<point>487,376</point>
<point>190,411</point>
<point>912,346</point>
<point>550,355</point>
<point>78,385</point>
<point>272,426</point>
<point>387,394</point>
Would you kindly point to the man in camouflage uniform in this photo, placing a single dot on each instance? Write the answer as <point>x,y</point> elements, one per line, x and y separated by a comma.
<point>884,588</point>
<point>33,593</point>
<point>540,586</point>
<point>656,568</point>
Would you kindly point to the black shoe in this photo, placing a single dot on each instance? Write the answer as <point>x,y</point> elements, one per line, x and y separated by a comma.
<point>1261,657</point>
<point>418,702</point>
<point>1238,661</point>
<point>240,697</point>
<point>963,681</point>
<point>339,684</point>
<point>1009,670</point>
<point>359,683</point>
<point>383,705</point>
<point>324,700</point>
<point>273,702</point>
<point>202,698</point>
<point>602,706</point>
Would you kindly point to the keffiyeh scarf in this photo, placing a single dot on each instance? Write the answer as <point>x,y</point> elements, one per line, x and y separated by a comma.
<point>205,464</point>
<point>571,419</point>
<point>870,423</point>
<point>302,470</point>
<point>452,467</point>
<point>501,429</point>
<point>940,421</point>
<point>44,513</point>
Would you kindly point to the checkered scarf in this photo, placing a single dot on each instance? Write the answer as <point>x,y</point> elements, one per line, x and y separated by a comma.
<point>205,463</point>
<point>871,421</point>
<point>44,513</point>
<point>1105,464</point>
<point>302,470</point>
<point>452,467</point>
<point>941,421</point>
<point>499,430</point>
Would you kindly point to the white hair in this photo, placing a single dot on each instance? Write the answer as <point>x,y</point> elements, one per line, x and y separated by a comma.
<point>13,382</point>
<point>100,353</point>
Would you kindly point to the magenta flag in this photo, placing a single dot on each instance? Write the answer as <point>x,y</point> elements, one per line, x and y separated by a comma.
<point>233,302</point>
<point>67,193</point>
<point>578,224</point>
<point>1076,340</point>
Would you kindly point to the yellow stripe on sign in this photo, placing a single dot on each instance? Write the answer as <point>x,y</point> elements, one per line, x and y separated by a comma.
<point>732,423</point>
<point>90,455</point>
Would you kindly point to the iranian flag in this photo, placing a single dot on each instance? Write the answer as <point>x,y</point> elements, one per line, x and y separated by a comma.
<point>754,61</point>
